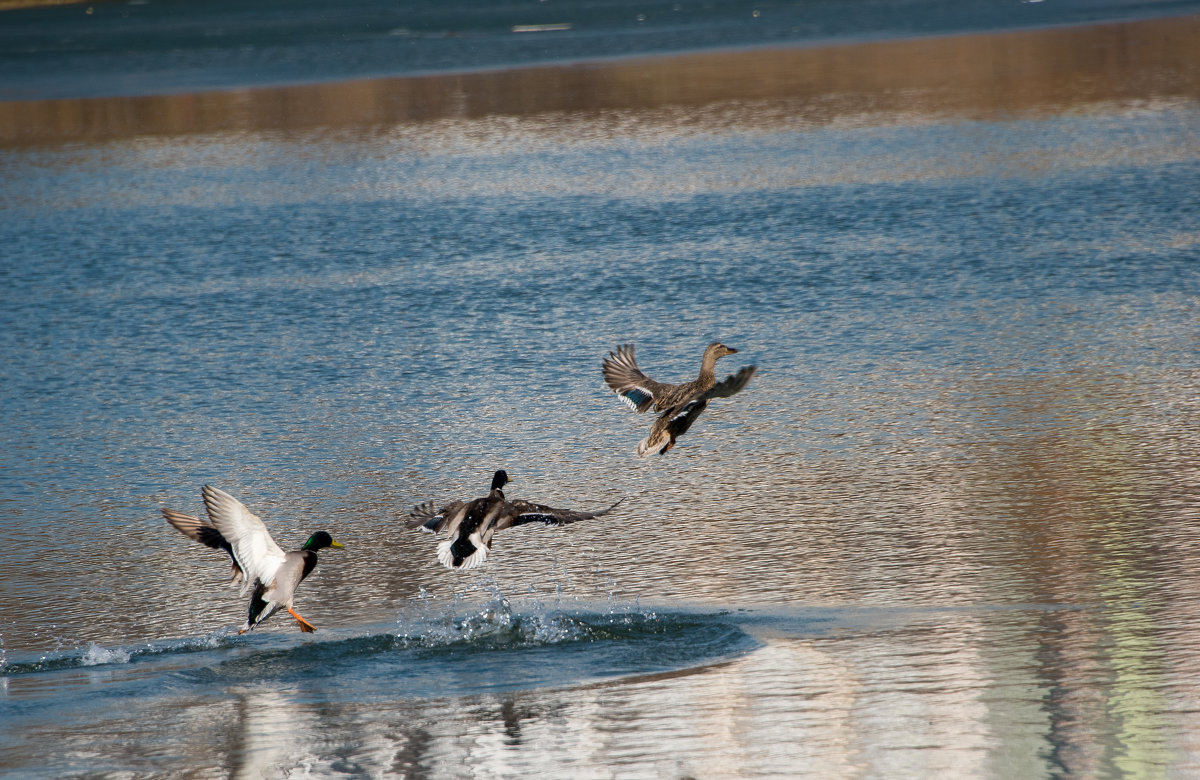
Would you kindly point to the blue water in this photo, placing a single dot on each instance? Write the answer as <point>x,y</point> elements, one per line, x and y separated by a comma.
<point>949,527</point>
<point>492,649</point>
<point>163,46</point>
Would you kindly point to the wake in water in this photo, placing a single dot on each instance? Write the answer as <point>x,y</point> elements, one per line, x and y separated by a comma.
<point>438,648</point>
<point>93,654</point>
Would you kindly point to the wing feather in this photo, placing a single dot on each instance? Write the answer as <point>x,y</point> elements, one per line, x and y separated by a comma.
<point>432,520</point>
<point>522,512</point>
<point>253,548</point>
<point>732,384</point>
<point>203,532</point>
<point>621,373</point>
<point>196,529</point>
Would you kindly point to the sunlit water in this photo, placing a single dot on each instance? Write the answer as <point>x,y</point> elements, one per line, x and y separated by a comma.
<point>951,526</point>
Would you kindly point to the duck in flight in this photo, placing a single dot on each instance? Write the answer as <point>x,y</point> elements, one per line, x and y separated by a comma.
<point>258,562</point>
<point>470,525</point>
<point>680,404</point>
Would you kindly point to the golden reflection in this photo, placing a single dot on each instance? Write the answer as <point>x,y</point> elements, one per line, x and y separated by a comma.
<point>821,708</point>
<point>1083,497</point>
<point>973,76</point>
<point>1137,701</point>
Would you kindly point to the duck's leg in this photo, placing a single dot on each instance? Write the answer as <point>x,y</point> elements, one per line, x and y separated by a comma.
<point>305,626</point>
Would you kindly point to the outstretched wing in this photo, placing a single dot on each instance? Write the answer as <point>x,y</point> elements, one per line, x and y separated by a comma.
<point>522,512</point>
<point>731,384</point>
<point>431,519</point>
<point>203,532</point>
<point>196,529</point>
<point>253,548</point>
<point>621,373</point>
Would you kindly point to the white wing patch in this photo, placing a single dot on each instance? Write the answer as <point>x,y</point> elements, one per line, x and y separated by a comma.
<point>633,397</point>
<point>477,558</point>
<point>539,517</point>
<point>255,550</point>
<point>683,412</point>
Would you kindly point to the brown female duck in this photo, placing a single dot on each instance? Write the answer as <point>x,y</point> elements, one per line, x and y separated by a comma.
<point>680,404</point>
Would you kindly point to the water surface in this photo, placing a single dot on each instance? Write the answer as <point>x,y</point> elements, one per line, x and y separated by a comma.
<point>143,47</point>
<point>949,527</point>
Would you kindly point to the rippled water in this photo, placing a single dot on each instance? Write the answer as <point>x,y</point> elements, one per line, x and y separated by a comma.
<point>950,526</point>
<point>142,47</point>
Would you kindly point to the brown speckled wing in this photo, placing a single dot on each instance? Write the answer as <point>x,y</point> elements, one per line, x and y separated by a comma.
<point>622,375</point>
<point>732,384</point>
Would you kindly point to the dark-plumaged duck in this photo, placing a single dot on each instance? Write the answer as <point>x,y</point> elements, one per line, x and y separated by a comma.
<point>680,404</point>
<point>258,562</point>
<point>470,525</point>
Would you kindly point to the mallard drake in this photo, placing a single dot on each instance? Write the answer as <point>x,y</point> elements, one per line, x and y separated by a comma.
<point>680,404</point>
<point>470,525</point>
<point>257,560</point>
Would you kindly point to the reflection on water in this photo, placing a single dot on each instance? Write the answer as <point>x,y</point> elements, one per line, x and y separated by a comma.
<point>948,528</point>
<point>979,76</point>
<point>837,692</point>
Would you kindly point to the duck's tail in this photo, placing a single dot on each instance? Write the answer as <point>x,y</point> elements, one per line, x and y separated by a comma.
<point>260,608</point>
<point>658,442</point>
<point>462,552</point>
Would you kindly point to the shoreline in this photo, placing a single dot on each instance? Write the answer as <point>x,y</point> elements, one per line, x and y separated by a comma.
<point>967,75</point>
<point>13,5</point>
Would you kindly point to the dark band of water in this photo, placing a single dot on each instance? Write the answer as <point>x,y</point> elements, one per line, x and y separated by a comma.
<point>978,76</point>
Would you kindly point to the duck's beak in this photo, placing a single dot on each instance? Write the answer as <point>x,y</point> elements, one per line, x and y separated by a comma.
<point>731,350</point>
<point>338,545</point>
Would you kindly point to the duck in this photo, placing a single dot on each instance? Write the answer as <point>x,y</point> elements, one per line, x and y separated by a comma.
<point>679,404</point>
<point>258,562</point>
<point>470,525</point>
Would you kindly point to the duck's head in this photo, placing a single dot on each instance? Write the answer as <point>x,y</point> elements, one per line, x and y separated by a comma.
<point>320,540</point>
<point>718,350</point>
<point>499,479</point>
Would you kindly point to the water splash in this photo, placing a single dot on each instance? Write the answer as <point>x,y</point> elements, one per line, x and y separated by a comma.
<point>95,655</point>
<point>518,621</point>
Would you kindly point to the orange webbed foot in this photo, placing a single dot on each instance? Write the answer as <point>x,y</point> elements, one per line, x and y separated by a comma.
<point>305,626</point>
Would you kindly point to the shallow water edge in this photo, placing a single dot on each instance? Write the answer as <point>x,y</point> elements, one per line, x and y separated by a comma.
<point>977,76</point>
